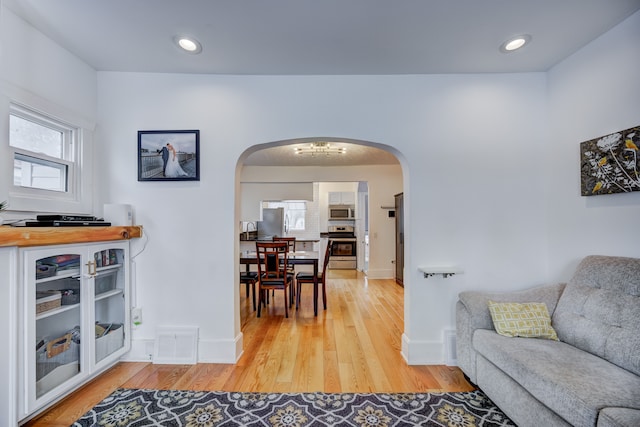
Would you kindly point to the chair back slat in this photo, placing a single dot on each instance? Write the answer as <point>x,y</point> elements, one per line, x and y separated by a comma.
<point>291,241</point>
<point>272,259</point>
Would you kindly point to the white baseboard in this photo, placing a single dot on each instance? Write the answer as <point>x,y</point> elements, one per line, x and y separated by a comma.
<point>220,351</point>
<point>141,351</point>
<point>422,352</point>
<point>381,274</point>
<point>209,351</point>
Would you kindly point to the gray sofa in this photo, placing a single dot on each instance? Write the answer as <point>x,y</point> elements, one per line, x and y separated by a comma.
<point>590,377</point>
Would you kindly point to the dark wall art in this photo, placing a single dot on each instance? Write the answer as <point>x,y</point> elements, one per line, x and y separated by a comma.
<point>169,155</point>
<point>611,164</point>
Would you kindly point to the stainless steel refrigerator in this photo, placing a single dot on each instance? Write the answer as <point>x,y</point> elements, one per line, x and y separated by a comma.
<point>272,224</point>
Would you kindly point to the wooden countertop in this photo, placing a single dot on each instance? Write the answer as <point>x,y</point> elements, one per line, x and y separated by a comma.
<point>42,236</point>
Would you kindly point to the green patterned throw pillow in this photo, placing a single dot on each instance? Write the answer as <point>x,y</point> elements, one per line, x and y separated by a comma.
<point>529,320</point>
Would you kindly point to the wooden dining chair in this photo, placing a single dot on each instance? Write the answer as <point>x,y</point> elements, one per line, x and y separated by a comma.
<point>306,277</point>
<point>291,242</point>
<point>250,278</point>
<point>272,272</point>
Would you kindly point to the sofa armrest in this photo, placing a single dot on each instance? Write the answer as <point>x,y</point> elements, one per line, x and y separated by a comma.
<point>472,312</point>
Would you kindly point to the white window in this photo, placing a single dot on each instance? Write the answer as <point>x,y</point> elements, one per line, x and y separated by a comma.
<point>45,153</point>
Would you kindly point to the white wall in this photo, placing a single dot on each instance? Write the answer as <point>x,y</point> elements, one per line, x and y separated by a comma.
<point>593,93</point>
<point>489,185</point>
<point>40,74</point>
<point>470,147</point>
<point>34,63</point>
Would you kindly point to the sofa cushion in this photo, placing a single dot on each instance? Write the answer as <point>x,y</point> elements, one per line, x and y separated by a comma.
<point>619,417</point>
<point>516,402</point>
<point>599,310</point>
<point>573,383</point>
<point>529,319</point>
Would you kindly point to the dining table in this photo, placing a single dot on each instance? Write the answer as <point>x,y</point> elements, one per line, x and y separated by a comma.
<point>293,258</point>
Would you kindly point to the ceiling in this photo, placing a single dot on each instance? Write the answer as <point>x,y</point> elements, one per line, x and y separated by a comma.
<point>356,154</point>
<point>322,37</point>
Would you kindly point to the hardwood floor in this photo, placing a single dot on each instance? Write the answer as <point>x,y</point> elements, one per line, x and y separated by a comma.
<point>353,346</point>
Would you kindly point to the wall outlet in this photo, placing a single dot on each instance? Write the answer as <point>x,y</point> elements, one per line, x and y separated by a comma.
<point>136,316</point>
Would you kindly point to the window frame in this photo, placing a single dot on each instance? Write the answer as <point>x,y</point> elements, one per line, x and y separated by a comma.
<point>76,157</point>
<point>65,166</point>
<point>68,157</point>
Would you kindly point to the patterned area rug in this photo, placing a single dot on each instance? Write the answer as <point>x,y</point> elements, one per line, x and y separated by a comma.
<point>126,407</point>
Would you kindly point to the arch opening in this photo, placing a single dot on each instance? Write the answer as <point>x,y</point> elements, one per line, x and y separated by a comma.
<point>379,168</point>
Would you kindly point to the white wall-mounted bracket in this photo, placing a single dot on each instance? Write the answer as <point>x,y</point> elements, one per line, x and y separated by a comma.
<point>444,271</point>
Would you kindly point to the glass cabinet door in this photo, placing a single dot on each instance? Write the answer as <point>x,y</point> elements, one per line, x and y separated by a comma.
<point>74,314</point>
<point>58,317</point>
<point>109,301</point>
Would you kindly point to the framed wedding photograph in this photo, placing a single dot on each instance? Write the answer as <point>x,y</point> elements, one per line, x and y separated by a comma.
<point>169,155</point>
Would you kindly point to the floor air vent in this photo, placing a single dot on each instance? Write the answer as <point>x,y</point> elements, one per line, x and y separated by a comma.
<point>176,345</point>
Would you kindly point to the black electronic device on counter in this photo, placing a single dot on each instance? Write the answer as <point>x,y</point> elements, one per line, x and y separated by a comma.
<point>66,218</point>
<point>66,223</point>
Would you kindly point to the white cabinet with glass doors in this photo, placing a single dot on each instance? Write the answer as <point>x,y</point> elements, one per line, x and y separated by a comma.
<point>75,314</point>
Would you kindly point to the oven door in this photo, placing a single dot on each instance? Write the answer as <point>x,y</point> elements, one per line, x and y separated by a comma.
<point>343,254</point>
<point>343,247</point>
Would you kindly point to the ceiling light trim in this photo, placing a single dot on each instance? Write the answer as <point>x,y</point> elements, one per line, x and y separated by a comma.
<point>188,44</point>
<point>515,43</point>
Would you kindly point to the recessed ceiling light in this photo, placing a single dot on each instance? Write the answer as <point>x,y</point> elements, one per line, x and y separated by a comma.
<point>188,44</point>
<point>515,43</point>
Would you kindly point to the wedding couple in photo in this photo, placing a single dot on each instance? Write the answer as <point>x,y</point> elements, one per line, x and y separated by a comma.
<point>171,167</point>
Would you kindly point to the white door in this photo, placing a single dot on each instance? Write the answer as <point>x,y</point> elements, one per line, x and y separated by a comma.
<point>362,228</point>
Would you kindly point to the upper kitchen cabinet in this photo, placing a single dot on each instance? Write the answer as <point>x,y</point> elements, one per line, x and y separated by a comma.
<point>342,198</point>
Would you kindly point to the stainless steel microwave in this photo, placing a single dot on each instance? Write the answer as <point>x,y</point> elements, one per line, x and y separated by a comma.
<point>338,212</point>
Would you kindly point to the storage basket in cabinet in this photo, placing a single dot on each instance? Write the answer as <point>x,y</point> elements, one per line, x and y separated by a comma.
<point>70,296</point>
<point>106,282</point>
<point>70,290</point>
<point>54,265</point>
<point>56,361</point>
<point>45,270</point>
<point>109,338</point>
<point>47,300</point>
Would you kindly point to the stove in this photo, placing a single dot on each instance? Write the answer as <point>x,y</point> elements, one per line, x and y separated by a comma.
<point>343,247</point>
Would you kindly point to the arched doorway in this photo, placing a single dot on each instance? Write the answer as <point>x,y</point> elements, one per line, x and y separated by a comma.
<point>277,162</point>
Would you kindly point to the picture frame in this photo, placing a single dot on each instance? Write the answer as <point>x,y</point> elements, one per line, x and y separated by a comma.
<point>611,164</point>
<point>169,155</point>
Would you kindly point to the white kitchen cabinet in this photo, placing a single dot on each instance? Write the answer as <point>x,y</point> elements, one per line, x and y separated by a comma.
<point>342,198</point>
<point>75,314</point>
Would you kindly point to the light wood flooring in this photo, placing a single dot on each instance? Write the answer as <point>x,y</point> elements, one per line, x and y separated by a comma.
<point>353,346</point>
